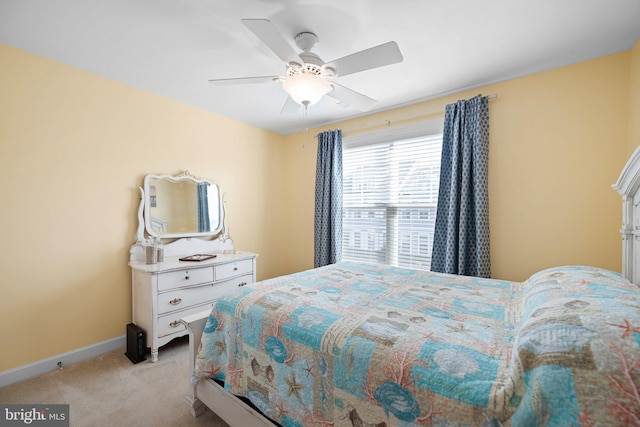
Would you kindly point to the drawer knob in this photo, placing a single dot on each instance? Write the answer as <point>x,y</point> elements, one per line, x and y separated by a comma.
<point>186,277</point>
<point>242,284</point>
<point>235,268</point>
<point>174,324</point>
<point>175,301</point>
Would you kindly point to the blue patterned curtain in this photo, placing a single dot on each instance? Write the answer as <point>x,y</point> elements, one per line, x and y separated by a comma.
<point>203,207</point>
<point>328,214</point>
<point>461,240</point>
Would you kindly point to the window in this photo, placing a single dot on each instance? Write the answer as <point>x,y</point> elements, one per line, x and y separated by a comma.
<point>390,194</point>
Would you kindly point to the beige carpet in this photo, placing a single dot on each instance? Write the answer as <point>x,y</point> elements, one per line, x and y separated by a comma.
<point>109,390</point>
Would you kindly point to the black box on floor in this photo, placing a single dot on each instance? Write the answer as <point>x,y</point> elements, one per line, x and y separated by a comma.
<point>135,343</point>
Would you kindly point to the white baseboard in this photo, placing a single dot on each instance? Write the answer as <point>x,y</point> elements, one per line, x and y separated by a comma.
<point>47,365</point>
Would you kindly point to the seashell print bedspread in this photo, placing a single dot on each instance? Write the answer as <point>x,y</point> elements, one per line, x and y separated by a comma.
<point>369,345</point>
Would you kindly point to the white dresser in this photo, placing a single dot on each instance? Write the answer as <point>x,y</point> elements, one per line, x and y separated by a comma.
<point>187,215</point>
<point>162,293</point>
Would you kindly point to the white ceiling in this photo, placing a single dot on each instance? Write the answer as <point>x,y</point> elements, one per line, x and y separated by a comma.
<point>173,47</point>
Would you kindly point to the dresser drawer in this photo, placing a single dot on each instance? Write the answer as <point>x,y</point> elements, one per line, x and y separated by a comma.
<point>231,269</point>
<point>170,323</point>
<point>187,277</point>
<point>221,288</point>
<point>186,297</point>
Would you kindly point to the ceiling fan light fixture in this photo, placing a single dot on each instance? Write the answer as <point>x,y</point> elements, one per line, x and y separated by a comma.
<point>306,88</point>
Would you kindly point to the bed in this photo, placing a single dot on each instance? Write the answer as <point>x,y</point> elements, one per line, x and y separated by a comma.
<point>370,345</point>
<point>358,344</point>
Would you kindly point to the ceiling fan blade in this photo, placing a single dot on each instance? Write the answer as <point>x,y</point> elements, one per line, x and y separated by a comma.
<point>269,34</point>
<point>374,57</point>
<point>290,106</point>
<point>351,97</point>
<point>244,80</point>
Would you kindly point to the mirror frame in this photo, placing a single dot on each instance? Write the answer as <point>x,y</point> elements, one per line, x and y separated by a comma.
<point>183,176</point>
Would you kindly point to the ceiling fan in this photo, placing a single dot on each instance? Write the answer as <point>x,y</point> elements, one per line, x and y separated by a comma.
<point>307,77</point>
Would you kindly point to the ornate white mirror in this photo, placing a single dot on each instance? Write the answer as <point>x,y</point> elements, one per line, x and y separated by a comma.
<point>181,206</point>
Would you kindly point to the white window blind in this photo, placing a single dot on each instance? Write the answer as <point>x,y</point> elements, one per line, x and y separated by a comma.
<point>390,194</point>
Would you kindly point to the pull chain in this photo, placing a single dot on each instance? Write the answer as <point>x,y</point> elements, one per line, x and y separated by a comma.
<point>306,124</point>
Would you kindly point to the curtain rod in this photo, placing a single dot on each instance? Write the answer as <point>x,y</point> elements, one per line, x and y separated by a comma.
<point>401,118</point>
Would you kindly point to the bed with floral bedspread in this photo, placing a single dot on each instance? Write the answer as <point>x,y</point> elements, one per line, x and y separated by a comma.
<point>365,345</point>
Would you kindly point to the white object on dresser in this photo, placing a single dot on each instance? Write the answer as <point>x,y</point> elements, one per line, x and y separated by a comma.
<point>164,292</point>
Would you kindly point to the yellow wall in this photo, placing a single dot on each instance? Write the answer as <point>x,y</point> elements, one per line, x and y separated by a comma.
<point>558,140</point>
<point>74,147</point>
<point>634,99</point>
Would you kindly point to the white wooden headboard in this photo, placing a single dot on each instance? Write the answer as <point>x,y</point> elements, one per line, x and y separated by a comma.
<point>628,186</point>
